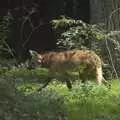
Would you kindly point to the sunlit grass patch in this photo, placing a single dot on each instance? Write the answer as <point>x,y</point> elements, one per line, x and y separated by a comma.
<point>90,101</point>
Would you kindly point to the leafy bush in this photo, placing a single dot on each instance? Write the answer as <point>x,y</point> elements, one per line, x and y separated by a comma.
<point>79,37</point>
<point>76,33</point>
<point>46,105</point>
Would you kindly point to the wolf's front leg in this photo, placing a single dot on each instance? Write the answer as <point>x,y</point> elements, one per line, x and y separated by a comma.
<point>68,80</point>
<point>48,80</point>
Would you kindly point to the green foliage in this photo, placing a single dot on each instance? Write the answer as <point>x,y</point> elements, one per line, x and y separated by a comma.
<point>46,105</point>
<point>90,101</point>
<point>6,65</point>
<point>19,99</point>
<point>64,23</point>
<point>25,75</point>
<point>76,33</point>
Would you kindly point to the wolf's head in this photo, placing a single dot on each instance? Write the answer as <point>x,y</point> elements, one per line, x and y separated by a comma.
<point>36,59</point>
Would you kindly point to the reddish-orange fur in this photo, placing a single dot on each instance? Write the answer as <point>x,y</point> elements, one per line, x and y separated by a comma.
<point>65,61</point>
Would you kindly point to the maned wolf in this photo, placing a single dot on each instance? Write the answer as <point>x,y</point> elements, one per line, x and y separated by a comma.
<point>69,61</point>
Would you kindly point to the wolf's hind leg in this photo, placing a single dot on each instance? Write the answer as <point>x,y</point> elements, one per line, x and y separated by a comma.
<point>67,80</point>
<point>99,75</point>
<point>69,84</point>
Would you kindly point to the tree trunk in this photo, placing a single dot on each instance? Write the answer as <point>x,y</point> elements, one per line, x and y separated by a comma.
<point>100,11</point>
<point>74,8</point>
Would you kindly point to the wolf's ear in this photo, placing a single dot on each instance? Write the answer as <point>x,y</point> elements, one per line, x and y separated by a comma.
<point>33,53</point>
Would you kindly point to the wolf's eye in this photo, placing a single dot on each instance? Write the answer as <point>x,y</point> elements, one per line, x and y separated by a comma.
<point>39,57</point>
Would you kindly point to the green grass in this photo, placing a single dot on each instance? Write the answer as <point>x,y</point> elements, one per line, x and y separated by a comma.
<point>91,102</point>
<point>87,101</point>
<point>84,102</point>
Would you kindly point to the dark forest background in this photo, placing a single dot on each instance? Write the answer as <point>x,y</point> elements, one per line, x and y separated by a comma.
<point>31,21</point>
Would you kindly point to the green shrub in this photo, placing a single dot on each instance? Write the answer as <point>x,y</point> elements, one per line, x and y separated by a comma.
<point>76,33</point>
<point>46,105</point>
<point>80,37</point>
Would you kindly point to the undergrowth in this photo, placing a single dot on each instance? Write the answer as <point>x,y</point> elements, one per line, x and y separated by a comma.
<point>20,99</point>
<point>91,102</point>
<point>18,105</point>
